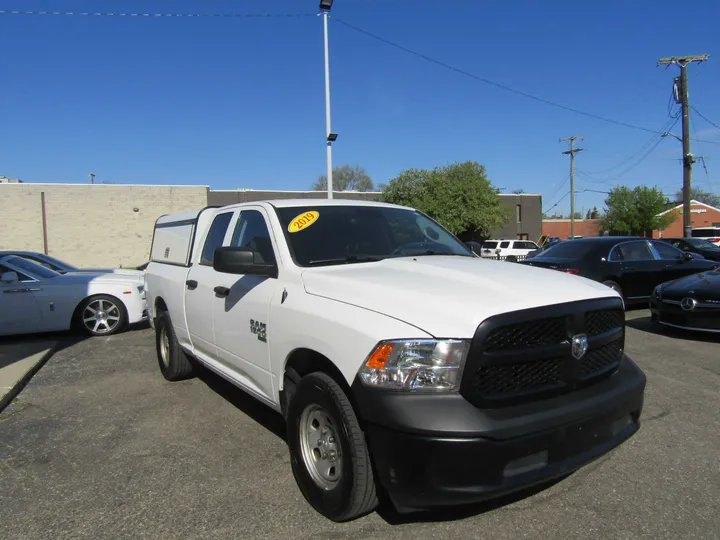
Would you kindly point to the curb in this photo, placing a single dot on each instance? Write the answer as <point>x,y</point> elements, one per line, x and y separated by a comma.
<point>8,398</point>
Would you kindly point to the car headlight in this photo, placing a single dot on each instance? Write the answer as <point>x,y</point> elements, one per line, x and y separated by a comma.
<point>434,365</point>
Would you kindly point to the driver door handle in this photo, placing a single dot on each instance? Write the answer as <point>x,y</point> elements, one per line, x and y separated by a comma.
<point>221,291</point>
<point>191,284</point>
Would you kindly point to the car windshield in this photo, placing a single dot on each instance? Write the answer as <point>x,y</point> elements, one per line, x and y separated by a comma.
<point>700,243</point>
<point>567,250</point>
<point>326,235</point>
<point>36,270</point>
<point>51,262</point>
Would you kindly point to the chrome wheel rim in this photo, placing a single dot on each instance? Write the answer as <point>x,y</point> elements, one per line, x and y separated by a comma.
<point>320,447</point>
<point>164,346</point>
<point>101,316</point>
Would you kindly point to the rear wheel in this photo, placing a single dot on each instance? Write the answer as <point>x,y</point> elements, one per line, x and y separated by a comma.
<point>175,365</point>
<point>330,460</point>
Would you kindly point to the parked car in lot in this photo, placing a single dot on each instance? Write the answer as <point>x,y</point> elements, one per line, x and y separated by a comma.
<point>630,265</point>
<point>35,299</point>
<point>691,302</point>
<point>699,246</point>
<point>397,357</point>
<point>711,234</point>
<point>542,249</point>
<point>509,250</point>
<point>61,267</point>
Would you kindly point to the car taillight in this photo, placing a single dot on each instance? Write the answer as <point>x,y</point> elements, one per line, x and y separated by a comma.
<point>574,271</point>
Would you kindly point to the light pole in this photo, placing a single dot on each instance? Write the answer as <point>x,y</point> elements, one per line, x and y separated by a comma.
<point>330,137</point>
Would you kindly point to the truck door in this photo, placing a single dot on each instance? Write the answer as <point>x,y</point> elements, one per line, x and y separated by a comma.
<point>242,307</point>
<point>199,293</point>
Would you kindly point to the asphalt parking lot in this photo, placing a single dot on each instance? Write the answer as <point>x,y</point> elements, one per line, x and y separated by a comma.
<point>99,445</point>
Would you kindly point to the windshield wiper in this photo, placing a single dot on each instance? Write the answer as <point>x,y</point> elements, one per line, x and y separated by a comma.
<point>344,260</point>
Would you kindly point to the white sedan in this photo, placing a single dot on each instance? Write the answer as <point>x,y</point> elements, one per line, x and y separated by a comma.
<point>34,298</point>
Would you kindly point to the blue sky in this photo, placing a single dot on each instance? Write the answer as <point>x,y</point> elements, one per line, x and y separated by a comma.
<point>239,103</point>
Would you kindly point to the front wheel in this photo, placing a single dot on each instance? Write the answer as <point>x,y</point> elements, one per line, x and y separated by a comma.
<point>329,457</point>
<point>102,315</point>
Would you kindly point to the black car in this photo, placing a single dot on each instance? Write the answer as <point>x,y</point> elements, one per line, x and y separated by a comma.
<point>542,249</point>
<point>632,266</point>
<point>691,303</point>
<point>695,245</point>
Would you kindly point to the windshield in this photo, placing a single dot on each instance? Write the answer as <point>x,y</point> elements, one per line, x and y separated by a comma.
<point>325,235</point>
<point>32,268</point>
<point>567,250</point>
<point>700,243</point>
<point>51,262</point>
<point>489,245</point>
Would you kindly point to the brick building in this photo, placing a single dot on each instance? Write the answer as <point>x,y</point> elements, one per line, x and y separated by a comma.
<point>702,215</point>
<point>561,227</point>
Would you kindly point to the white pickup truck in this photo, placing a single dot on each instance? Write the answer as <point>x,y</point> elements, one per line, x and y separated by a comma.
<point>403,364</point>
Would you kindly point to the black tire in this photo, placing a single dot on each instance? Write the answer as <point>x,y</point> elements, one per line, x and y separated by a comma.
<point>115,320</point>
<point>353,495</point>
<point>174,364</point>
<point>511,258</point>
<point>615,286</point>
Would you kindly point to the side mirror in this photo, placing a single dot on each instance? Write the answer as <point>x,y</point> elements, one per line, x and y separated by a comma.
<point>9,278</point>
<point>231,260</point>
<point>688,256</point>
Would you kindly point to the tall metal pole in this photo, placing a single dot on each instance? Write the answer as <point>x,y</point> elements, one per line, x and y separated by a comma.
<point>688,158</point>
<point>328,142</point>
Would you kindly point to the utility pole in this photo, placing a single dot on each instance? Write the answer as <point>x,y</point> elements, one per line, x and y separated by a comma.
<point>572,153</point>
<point>330,137</point>
<point>92,178</point>
<point>681,88</point>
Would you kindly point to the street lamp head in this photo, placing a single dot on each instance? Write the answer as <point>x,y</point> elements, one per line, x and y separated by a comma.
<point>326,4</point>
<point>332,137</point>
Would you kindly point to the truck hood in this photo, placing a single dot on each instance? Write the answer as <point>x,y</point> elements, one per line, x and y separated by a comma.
<point>447,296</point>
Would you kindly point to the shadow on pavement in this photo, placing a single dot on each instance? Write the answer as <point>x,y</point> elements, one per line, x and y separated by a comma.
<point>261,413</point>
<point>453,513</point>
<point>644,324</point>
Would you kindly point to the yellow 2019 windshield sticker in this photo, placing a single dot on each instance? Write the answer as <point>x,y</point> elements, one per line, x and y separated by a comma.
<point>302,221</point>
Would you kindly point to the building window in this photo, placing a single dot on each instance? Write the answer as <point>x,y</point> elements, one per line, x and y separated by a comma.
<point>518,212</point>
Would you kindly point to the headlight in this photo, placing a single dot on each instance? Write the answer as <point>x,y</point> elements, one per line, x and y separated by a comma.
<point>416,365</point>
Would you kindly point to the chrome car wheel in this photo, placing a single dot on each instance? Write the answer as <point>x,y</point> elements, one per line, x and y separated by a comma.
<point>101,316</point>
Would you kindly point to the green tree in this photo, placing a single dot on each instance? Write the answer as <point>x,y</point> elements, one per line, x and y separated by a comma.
<point>346,178</point>
<point>593,214</point>
<point>701,196</point>
<point>459,196</point>
<point>635,211</point>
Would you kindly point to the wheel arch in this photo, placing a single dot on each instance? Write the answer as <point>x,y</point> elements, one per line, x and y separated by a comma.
<point>75,320</point>
<point>301,362</point>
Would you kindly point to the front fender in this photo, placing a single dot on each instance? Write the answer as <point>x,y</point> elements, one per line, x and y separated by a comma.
<point>343,333</point>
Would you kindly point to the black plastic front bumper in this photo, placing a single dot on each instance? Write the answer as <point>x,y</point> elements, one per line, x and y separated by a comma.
<point>700,320</point>
<point>433,450</point>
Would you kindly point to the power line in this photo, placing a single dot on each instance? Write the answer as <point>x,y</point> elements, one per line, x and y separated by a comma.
<point>664,129</point>
<point>704,118</point>
<point>631,167</point>
<point>495,84</point>
<point>154,15</point>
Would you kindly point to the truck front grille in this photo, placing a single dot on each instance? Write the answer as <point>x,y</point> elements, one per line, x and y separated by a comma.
<point>522,356</point>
